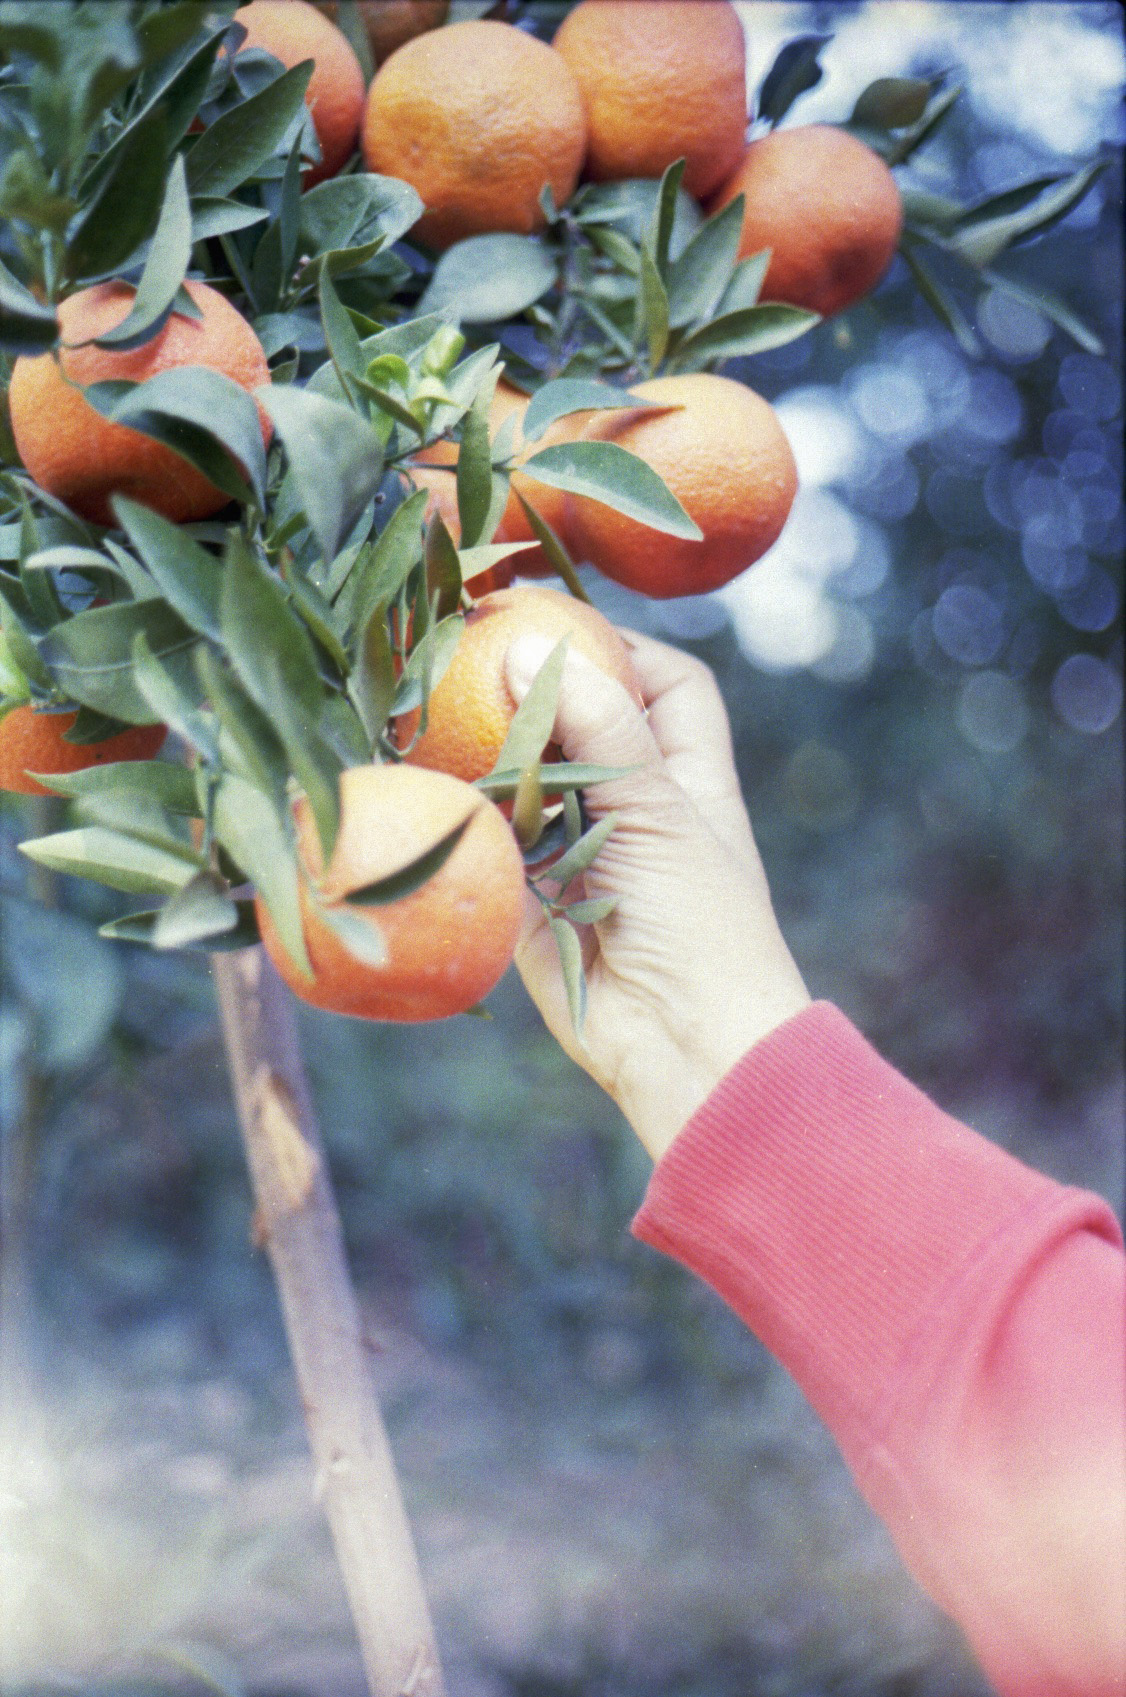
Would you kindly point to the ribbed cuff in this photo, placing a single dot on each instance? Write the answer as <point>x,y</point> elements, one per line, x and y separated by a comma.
<point>831,1204</point>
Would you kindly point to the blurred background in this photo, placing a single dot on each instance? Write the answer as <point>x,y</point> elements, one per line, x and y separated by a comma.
<point>614,1489</point>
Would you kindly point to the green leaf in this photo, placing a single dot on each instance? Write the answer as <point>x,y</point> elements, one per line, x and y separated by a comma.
<point>126,206</point>
<point>341,338</point>
<point>912,139</point>
<point>474,476</point>
<point>940,300</point>
<point>558,777</point>
<point>565,395</point>
<point>382,569</point>
<point>27,325</point>
<point>248,743</point>
<point>371,683</point>
<point>188,577</point>
<point>664,217</point>
<point>617,478</point>
<point>314,763</point>
<point>201,909</point>
<point>476,560</point>
<point>346,220</point>
<point>751,331</point>
<point>986,230</point>
<point>177,95</point>
<point>172,703</point>
<point>235,147</point>
<point>335,457</point>
<point>1052,308</point>
<point>406,879</point>
<point>165,268</point>
<point>318,613</point>
<point>571,963</point>
<point>91,655</point>
<point>891,103</point>
<point>534,720</point>
<point>488,278</point>
<point>427,663</point>
<point>198,412</point>
<point>697,279</point>
<point>581,855</point>
<point>111,857</point>
<point>590,912</point>
<point>631,206</point>
<point>68,980</point>
<point>794,72</point>
<point>554,549</point>
<point>213,215</point>
<point>166,782</point>
<point>652,310</point>
<point>141,928</point>
<point>250,831</point>
<point>443,568</point>
<point>264,639</point>
<point>746,283</point>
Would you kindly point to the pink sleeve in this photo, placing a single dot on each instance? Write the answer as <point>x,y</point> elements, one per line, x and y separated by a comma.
<point>958,1321</point>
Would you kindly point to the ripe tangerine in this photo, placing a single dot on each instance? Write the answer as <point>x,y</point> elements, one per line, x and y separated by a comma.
<point>471,706</point>
<point>724,455</point>
<point>661,80</point>
<point>478,117</point>
<point>827,207</point>
<point>32,741</point>
<point>82,458</point>
<point>293,31</point>
<point>448,942</point>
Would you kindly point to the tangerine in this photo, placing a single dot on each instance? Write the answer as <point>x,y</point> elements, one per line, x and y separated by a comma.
<point>391,22</point>
<point>82,458</point>
<point>661,80</point>
<point>471,706</point>
<point>448,942</point>
<point>478,117</point>
<point>32,741</point>
<point>293,31</point>
<point>725,457</point>
<point>827,207</point>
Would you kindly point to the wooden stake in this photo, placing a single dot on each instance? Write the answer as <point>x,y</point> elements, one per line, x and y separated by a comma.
<point>298,1223</point>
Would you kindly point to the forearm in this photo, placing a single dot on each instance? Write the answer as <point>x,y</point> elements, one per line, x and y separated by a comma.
<point>920,1285</point>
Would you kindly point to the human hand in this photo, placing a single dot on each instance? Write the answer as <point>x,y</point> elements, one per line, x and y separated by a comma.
<point>690,969</point>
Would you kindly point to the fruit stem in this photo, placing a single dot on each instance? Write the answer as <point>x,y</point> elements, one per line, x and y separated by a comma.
<point>300,1226</point>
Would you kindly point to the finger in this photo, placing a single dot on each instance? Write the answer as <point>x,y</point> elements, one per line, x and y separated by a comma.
<point>597,722</point>
<point>689,722</point>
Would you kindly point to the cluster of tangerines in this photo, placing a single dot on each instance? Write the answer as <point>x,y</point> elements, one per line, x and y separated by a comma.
<point>478,117</point>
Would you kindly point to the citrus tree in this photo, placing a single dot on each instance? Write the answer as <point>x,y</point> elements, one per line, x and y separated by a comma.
<point>317,353</point>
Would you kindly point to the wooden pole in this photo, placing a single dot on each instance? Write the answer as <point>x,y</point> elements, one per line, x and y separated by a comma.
<point>300,1228</point>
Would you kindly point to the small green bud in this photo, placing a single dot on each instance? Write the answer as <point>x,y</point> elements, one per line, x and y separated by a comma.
<point>442,351</point>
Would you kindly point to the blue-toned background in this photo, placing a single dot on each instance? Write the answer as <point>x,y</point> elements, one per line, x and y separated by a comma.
<point>615,1490</point>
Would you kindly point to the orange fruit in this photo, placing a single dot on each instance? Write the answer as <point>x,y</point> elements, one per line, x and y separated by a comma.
<point>724,456</point>
<point>478,117</point>
<point>34,742</point>
<point>448,942</point>
<point>293,31</point>
<point>471,707</point>
<point>81,458</point>
<point>826,206</point>
<point>391,22</point>
<point>661,80</point>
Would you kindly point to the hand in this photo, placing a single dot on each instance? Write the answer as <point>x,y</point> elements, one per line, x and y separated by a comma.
<point>690,969</point>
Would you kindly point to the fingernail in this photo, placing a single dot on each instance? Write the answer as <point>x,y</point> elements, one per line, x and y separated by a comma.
<point>523,660</point>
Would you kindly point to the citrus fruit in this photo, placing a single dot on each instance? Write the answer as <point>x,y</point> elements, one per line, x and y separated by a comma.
<point>660,80</point>
<point>448,942</point>
<point>293,31</point>
<point>391,22</point>
<point>81,458</point>
<point>513,526</point>
<point>471,707</point>
<point>724,456</point>
<point>34,742</point>
<point>826,206</point>
<point>478,117</point>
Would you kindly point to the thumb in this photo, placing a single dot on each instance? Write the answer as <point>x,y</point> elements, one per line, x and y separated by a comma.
<point>597,721</point>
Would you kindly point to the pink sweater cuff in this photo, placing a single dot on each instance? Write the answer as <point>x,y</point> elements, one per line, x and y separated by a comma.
<point>835,1207</point>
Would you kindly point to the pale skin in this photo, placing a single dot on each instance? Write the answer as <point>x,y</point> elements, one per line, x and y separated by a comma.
<point>691,968</point>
